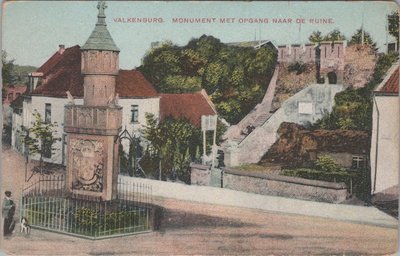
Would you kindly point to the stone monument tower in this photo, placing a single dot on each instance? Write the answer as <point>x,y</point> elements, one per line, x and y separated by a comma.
<point>92,128</point>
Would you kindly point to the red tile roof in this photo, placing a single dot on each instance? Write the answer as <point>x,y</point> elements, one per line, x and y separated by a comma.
<point>391,85</point>
<point>61,73</point>
<point>188,105</point>
<point>131,83</point>
<point>58,60</point>
<point>65,75</point>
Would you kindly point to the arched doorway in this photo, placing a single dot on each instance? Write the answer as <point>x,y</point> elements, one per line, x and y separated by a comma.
<point>332,77</point>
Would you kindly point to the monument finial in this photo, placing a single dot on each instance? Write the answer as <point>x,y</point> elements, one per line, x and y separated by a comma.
<point>101,6</point>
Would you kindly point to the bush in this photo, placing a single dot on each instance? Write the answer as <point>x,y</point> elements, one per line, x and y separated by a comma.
<point>325,163</point>
<point>297,67</point>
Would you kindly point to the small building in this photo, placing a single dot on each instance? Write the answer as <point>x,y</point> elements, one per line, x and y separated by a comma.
<point>190,106</point>
<point>385,136</point>
<point>11,93</point>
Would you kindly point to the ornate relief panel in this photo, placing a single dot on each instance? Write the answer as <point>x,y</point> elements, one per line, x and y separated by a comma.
<point>87,164</point>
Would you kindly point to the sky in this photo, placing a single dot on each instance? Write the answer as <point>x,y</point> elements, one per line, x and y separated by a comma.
<point>32,31</point>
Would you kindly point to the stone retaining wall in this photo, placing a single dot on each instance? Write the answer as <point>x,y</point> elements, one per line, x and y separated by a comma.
<point>277,185</point>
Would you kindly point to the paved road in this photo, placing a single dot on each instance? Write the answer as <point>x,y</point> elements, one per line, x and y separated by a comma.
<point>352,213</point>
<point>189,228</point>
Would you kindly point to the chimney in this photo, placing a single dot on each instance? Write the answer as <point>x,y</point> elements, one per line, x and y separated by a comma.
<point>61,49</point>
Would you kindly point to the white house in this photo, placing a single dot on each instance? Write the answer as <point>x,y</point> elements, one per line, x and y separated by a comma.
<point>62,73</point>
<point>385,136</point>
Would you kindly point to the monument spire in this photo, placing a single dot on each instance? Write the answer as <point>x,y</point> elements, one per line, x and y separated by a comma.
<point>101,16</point>
<point>100,39</point>
<point>92,128</point>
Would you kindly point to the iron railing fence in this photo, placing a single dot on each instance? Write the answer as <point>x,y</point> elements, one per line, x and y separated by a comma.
<point>46,185</point>
<point>46,206</point>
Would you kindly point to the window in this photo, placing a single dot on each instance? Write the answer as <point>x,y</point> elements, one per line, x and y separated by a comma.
<point>47,113</point>
<point>46,150</point>
<point>135,114</point>
<point>358,162</point>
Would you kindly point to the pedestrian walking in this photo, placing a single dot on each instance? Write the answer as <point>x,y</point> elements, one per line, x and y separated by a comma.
<point>8,211</point>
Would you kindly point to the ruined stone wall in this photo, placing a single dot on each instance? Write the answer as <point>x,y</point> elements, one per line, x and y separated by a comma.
<point>332,54</point>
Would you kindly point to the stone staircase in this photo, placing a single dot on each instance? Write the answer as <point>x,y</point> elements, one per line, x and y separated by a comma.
<point>261,119</point>
<point>250,147</point>
<point>257,117</point>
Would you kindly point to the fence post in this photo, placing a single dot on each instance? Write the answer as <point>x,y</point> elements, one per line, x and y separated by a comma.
<point>351,186</point>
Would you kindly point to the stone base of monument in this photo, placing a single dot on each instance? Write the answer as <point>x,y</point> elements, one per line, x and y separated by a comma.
<point>47,206</point>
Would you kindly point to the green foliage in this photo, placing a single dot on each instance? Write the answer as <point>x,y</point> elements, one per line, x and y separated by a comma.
<point>236,78</point>
<point>352,111</point>
<point>393,20</point>
<point>383,64</point>
<point>316,37</point>
<point>325,163</point>
<point>91,221</point>
<point>174,144</point>
<point>41,137</point>
<point>297,67</point>
<point>356,38</point>
<point>353,107</point>
<point>334,35</point>
<point>13,74</point>
<point>128,161</point>
<point>7,69</point>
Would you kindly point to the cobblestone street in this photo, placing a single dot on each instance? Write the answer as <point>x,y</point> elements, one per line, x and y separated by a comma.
<point>189,228</point>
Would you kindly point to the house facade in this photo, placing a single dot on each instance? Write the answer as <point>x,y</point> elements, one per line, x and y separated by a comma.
<point>385,135</point>
<point>47,94</point>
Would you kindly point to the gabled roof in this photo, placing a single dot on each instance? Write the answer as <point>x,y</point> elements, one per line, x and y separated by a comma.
<point>59,59</point>
<point>255,44</point>
<point>132,83</point>
<point>390,84</point>
<point>63,73</point>
<point>190,106</point>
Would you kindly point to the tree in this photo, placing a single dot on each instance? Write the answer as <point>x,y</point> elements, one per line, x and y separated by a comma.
<point>357,38</point>
<point>316,37</point>
<point>236,78</point>
<point>393,20</point>
<point>40,138</point>
<point>174,143</point>
<point>334,35</point>
<point>353,107</point>
<point>7,69</point>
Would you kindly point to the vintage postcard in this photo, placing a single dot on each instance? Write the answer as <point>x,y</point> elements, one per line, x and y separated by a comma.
<point>200,128</point>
